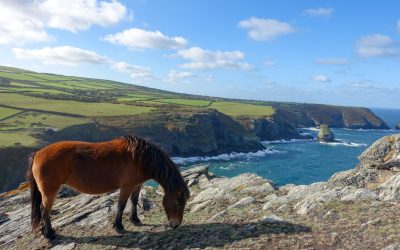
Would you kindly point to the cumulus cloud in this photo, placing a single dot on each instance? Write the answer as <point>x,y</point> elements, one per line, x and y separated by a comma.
<point>177,77</point>
<point>265,29</point>
<point>319,12</point>
<point>64,55</point>
<point>24,21</point>
<point>320,78</point>
<point>332,61</point>
<point>137,72</point>
<point>72,56</point>
<point>81,14</point>
<point>377,46</point>
<point>142,39</point>
<point>200,59</point>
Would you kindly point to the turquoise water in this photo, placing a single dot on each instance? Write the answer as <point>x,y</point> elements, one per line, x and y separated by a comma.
<point>300,162</point>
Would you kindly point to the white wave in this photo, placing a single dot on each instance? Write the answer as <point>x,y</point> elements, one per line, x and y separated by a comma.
<point>344,143</point>
<point>286,141</point>
<point>311,128</point>
<point>369,130</point>
<point>225,157</point>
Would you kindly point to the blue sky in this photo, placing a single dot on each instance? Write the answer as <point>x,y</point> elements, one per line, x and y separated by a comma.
<point>334,52</point>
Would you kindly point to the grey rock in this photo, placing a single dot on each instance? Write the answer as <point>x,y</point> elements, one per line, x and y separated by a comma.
<point>218,215</point>
<point>382,154</point>
<point>272,219</point>
<point>390,190</point>
<point>200,206</point>
<point>69,246</point>
<point>325,134</point>
<point>357,195</point>
<point>213,194</point>
<point>312,201</point>
<point>244,202</point>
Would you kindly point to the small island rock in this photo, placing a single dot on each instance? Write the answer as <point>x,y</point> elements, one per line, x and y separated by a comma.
<point>397,127</point>
<point>325,134</point>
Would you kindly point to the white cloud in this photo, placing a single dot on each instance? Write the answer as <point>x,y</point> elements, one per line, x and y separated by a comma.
<point>177,77</point>
<point>320,78</point>
<point>142,39</point>
<point>332,61</point>
<point>137,72</point>
<point>81,14</point>
<point>319,12</point>
<point>377,46</point>
<point>64,55</point>
<point>23,21</point>
<point>17,24</point>
<point>206,60</point>
<point>265,29</point>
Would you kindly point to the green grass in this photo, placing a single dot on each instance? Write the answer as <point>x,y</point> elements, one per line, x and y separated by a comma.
<point>33,120</point>
<point>243,109</point>
<point>188,102</point>
<point>23,85</point>
<point>48,77</point>
<point>134,97</point>
<point>17,76</point>
<point>71,107</point>
<point>6,112</point>
<point>37,90</point>
<point>22,138</point>
<point>82,85</point>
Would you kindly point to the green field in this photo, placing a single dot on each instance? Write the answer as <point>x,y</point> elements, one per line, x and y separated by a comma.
<point>35,120</point>
<point>35,102</point>
<point>71,107</point>
<point>6,112</point>
<point>188,102</point>
<point>243,109</point>
<point>8,139</point>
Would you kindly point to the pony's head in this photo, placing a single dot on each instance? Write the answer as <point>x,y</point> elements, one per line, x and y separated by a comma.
<point>163,170</point>
<point>174,203</point>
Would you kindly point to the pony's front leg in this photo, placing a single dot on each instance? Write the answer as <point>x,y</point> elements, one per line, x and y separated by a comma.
<point>123,198</point>
<point>134,201</point>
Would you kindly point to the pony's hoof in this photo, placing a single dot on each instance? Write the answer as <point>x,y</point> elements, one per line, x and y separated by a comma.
<point>51,235</point>
<point>136,222</point>
<point>118,227</point>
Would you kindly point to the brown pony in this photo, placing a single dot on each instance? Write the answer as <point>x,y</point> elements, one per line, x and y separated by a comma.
<point>96,168</point>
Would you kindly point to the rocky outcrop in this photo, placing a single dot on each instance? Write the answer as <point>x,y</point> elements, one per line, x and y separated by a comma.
<point>271,128</point>
<point>325,134</point>
<point>313,115</point>
<point>245,211</point>
<point>397,126</point>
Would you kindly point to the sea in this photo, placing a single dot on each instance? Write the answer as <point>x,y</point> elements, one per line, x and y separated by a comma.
<point>299,161</point>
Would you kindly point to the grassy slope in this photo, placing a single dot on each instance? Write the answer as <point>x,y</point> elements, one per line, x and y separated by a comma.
<point>46,101</point>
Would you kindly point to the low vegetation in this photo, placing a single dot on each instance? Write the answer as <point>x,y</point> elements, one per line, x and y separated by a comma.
<point>49,101</point>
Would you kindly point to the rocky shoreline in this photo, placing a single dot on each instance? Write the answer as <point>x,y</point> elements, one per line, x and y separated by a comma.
<point>354,209</point>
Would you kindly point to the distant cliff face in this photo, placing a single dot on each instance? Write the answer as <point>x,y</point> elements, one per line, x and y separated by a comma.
<point>311,115</point>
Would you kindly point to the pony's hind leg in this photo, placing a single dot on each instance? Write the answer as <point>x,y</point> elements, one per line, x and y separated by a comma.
<point>47,203</point>
<point>134,201</point>
<point>123,198</point>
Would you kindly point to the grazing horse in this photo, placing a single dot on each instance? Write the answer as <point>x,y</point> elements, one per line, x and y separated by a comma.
<point>96,168</point>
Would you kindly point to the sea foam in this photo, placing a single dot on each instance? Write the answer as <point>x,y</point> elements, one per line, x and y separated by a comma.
<point>225,157</point>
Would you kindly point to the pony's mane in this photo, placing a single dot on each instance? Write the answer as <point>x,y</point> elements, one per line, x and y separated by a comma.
<point>159,166</point>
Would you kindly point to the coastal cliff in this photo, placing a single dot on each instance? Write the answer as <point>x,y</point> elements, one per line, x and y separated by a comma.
<point>354,209</point>
<point>185,133</point>
<point>312,115</point>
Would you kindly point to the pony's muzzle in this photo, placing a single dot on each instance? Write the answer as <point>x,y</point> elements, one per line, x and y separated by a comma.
<point>174,224</point>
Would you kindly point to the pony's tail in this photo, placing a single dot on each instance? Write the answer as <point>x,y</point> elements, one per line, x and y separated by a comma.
<point>36,196</point>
